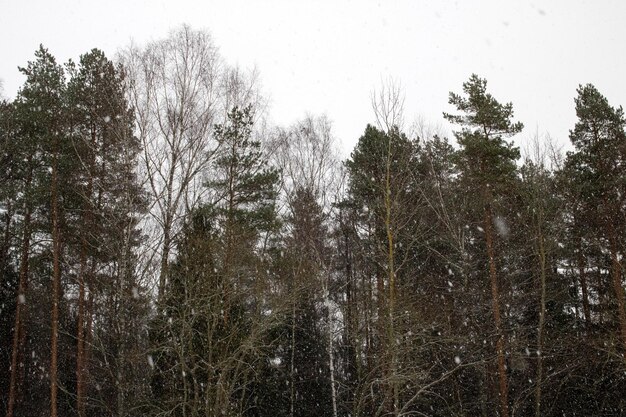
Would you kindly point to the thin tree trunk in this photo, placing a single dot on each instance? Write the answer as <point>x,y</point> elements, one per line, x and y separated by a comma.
<point>391,271</point>
<point>349,333</point>
<point>616,276</point>
<point>7,237</point>
<point>583,283</point>
<point>292,397</point>
<point>495,298</point>
<point>80,354</point>
<point>164,260</point>
<point>86,228</point>
<point>80,351</point>
<point>56,282</point>
<point>20,304</point>
<point>331,359</point>
<point>542,316</point>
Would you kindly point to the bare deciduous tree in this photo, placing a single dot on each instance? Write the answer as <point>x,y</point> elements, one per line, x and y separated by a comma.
<point>306,154</point>
<point>179,87</point>
<point>388,105</point>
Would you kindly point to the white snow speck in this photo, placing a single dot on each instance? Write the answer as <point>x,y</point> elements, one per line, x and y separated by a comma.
<point>501,227</point>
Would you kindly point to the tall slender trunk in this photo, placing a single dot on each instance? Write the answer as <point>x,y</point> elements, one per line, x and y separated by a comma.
<point>83,271</point>
<point>56,280</point>
<point>18,329</point>
<point>541,251</point>
<point>331,362</point>
<point>165,254</point>
<point>495,299</point>
<point>80,353</point>
<point>6,240</point>
<point>80,350</point>
<point>349,333</point>
<point>292,365</point>
<point>167,228</point>
<point>391,276</point>
<point>583,283</point>
<point>618,289</point>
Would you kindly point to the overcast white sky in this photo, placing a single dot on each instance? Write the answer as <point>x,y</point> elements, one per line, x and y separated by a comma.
<point>327,56</point>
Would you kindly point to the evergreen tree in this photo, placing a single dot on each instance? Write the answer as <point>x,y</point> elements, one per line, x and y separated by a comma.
<point>107,200</point>
<point>487,165</point>
<point>310,381</point>
<point>596,172</point>
<point>43,93</point>
<point>211,327</point>
<point>9,278</point>
<point>383,196</point>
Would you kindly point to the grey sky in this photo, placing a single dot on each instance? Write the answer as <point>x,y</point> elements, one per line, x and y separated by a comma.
<point>327,56</point>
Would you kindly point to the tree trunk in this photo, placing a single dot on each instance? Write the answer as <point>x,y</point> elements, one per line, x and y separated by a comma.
<point>6,241</point>
<point>495,299</point>
<point>88,210</point>
<point>616,277</point>
<point>331,361</point>
<point>20,303</point>
<point>164,260</point>
<point>541,251</point>
<point>292,365</point>
<point>583,283</point>
<point>56,281</point>
<point>391,276</point>
<point>80,353</point>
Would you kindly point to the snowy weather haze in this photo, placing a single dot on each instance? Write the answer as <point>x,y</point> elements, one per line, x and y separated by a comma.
<point>312,209</point>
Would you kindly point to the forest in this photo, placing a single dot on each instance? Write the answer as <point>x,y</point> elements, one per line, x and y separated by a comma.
<point>166,251</point>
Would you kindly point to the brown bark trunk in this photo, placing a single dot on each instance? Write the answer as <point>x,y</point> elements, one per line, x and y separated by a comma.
<point>80,354</point>
<point>616,277</point>
<point>542,315</point>
<point>20,304</point>
<point>56,283</point>
<point>86,228</point>
<point>391,277</point>
<point>495,298</point>
<point>7,237</point>
<point>583,283</point>
<point>88,333</point>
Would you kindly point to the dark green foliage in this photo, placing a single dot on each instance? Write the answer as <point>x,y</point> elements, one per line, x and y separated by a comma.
<point>209,334</point>
<point>485,158</point>
<point>64,123</point>
<point>245,186</point>
<point>596,168</point>
<point>383,305</point>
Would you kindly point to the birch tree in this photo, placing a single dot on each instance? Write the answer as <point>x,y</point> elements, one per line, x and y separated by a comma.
<point>179,87</point>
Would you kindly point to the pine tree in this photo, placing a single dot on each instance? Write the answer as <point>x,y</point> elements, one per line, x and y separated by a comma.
<point>383,194</point>
<point>11,315</point>
<point>487,164</point>
<point>596,170</point>
<point>310,379</point>
<point>210,330</point>
<point>43,91</point>
<point>107,199</point>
